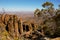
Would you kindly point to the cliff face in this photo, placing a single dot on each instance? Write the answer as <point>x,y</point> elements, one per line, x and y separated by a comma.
<point>12,27</point>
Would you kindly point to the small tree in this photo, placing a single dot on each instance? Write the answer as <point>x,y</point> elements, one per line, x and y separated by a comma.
<point>47,5</point>
<point>37,13</point>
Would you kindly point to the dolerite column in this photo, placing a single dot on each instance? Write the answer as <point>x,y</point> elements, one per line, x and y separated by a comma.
<point>30,27</point>
<point>7,17</point>
<point>11,27</point>
<point>2,25</point>
<point>35,27</point>
<point>3,17</point>
<point>16,25</point>
<point>21,25</point>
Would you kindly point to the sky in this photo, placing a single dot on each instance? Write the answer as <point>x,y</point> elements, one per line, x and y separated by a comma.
<point>25,5</point>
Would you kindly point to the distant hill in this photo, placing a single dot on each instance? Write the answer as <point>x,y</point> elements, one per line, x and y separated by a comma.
<point>23,14</point>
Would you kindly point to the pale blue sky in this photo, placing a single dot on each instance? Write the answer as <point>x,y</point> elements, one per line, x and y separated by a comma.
<point>25,5</point>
